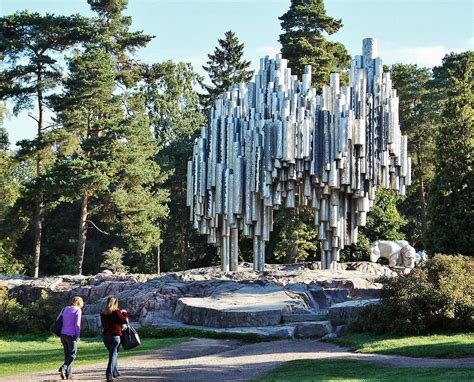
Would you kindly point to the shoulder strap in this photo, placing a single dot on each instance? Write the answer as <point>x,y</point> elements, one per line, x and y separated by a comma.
<point>61,313</point>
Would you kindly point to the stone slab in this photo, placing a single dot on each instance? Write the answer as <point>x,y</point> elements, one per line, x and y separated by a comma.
<point>312,329</point>
<point>295,317</point>
<point>345,310</point>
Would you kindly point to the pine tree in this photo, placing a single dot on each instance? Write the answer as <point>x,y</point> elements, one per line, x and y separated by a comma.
<point>115,176</point>
<point>113,260</point>
<point>298,237</point>
<point>30,45</point>
<point>10,187</point>
<point>451,195</point>
<point>175,115</point>
<point>90,113</point>
<point>303,41</point>
<point>225,68</point>
<point>418,120</point>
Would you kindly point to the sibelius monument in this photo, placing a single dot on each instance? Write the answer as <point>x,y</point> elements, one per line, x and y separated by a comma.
<point>275,143</point>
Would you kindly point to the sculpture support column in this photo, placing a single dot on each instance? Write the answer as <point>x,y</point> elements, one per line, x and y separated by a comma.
<point>225,254</point>
<point>258,254</point>
<point>234,250</point>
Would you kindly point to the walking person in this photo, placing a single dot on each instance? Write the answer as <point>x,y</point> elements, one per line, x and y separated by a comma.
<point>70,335</point>
<point>112,320</point>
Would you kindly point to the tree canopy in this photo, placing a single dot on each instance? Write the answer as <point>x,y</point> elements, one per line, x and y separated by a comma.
<point>303,41</point>
<point>226,67</point>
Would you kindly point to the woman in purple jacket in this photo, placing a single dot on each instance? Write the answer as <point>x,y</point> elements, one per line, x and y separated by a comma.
<point>70,335</point>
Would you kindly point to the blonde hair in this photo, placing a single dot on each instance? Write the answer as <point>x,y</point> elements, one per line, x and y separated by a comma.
<point>77,301</point>
<point>111,306</point>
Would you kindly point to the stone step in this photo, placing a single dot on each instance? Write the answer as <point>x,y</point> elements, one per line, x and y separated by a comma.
<point>337,295</point>
<point>311,329</point>
<point>303,317</point>
<point>263,332</point>
<point>345,310</point>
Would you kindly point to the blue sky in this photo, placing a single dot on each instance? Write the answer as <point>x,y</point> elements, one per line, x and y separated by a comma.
<point>408,31</point>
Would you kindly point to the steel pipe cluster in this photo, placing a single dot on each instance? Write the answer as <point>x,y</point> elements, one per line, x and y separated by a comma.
<point>275,143</point>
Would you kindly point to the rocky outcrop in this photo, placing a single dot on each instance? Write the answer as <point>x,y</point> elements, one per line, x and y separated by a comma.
<point>294,300</point>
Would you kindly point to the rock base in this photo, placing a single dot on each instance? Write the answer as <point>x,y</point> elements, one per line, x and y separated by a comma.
<point>285,301</point>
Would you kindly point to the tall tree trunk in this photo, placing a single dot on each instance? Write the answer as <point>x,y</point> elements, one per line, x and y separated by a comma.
<point>38,224</point>
<point>158,258</point>
<point>38,217</point>
<point>184,242</point>
<point>82,237</point>
<point>422,195</point>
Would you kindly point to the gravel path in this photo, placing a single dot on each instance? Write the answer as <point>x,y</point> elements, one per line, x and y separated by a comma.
<point>230,360</point>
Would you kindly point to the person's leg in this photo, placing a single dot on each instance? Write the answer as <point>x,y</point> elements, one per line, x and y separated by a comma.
<point>108,343</point>
<point>115,371</point>
<point>62,368</point>
<point>115,348</point>
<point>72,356</point>
<point>71,344</point>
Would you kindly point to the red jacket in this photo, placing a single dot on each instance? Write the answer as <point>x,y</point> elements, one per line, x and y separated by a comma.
<point>112,323</point>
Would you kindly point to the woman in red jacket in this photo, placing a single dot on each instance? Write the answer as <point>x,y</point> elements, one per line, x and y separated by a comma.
<point>112,320</point>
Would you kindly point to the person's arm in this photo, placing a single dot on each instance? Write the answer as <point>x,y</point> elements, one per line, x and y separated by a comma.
<point>122,316</point>
<point>77,324</point>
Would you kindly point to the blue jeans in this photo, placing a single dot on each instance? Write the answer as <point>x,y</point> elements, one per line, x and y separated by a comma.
<point>70,353</point>
<point>112,343</point>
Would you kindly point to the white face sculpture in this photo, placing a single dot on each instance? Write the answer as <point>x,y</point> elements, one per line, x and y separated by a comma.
<point>374,253</point>
<point>409,257</point>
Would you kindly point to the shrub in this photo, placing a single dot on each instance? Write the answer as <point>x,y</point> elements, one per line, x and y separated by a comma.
<point>34,318</point>
<point>12,315</point>
<point>113,260</point>
<point>357,252</point>
<point>8,264</point>
<point>437,296</point>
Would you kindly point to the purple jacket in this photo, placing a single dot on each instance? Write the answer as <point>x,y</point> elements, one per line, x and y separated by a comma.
<point>72,321</point>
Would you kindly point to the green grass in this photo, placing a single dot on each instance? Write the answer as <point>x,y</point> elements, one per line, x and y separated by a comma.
<point>342,370</point>
<point>431,346</point>
<point>29,353</point>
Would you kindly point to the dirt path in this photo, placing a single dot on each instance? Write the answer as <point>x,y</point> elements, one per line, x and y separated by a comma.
<point>230,360</point>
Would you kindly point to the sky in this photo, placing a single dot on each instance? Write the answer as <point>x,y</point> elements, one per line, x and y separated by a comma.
<point>408,31</point>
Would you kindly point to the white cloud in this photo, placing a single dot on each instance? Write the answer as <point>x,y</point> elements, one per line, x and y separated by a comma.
<point>428,56</point>
<point>271,51</point>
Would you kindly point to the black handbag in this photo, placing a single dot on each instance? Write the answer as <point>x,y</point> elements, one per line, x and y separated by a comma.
<point>57,325</point>
<point>130,338</point>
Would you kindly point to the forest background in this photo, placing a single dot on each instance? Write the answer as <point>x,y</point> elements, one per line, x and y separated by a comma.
<point>103,180</point>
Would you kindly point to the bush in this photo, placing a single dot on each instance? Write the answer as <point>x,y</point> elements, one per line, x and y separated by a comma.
<point>437,296</point>
<point>113,260</point>
<point>35,318</point>
<point>357,252</point>
<point>8,264</point>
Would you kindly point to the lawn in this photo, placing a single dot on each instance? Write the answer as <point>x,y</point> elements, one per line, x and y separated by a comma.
<point>433,346</point>
<point>28,353</point>
<point>342,370</point>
